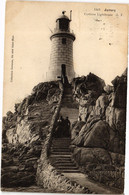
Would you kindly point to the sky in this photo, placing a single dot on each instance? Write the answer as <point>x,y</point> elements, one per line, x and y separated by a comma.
<point>100,46</point>
<point>11,98</point>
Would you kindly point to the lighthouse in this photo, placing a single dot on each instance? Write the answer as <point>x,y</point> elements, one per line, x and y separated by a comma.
<point>61,57</point>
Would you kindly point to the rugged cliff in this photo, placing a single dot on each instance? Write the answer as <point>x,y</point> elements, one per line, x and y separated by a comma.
<point>98,137</point>
<point>24,131</point>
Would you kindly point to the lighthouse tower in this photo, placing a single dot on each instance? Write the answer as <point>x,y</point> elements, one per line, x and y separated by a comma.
<point>61,58</point>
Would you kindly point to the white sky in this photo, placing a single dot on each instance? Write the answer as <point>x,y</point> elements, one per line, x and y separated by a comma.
<point>100,46</point>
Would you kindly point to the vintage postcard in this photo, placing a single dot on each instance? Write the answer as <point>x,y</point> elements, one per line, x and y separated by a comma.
<point>64,102</point>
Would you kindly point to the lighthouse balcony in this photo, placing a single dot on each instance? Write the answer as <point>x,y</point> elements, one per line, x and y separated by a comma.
<point>59,33</point>
<point>59,30</point>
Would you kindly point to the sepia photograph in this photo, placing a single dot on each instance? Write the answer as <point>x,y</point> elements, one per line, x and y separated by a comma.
<point>64,97</point>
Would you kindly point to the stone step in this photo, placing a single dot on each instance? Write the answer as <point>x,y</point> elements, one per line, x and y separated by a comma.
<point>60,145</point>
<point>67,98</point>
<point>67,168</point>
<point>61,141</point>
<point>56,146</point>
<point>60,150</point>
<point>67,102</point>
<point>61,153</point>
<point>63,138</point>
<point>60,156</point>
<point>68,171</point>
<point>65,163</point>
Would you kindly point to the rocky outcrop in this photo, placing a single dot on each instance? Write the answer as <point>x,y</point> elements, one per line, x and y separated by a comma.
<point>24,131</point>
<point>76,128</point>
<point>99,138</point>
<point>19,164</point>
<point>25,153</point>
<point>31,115</point>
<point>86,90</point>
<point>84,156</point>
<point>120,92</point>
<point>94,135</point>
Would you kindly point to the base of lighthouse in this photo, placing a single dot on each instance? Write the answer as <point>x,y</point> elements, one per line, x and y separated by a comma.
<point>53,75</point>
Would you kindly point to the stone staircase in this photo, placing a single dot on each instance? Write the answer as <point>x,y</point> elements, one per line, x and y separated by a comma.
<point>60,156</point>
<point>68,100</point>
<point>68,106</point>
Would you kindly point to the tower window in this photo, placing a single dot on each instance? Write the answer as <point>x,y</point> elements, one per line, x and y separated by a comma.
<point>64,41</point>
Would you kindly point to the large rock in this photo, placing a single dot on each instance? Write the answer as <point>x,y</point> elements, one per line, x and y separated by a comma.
<point>84,112</point>
<point>120,122</point>
<point>91,82</point>
<point>120,88</point>
<point>42,91</point>
<point>116,143</point>
<point>22,107</point>
<point>116,118</point>
<point>109,89</point>
<point>11,135</point>
<point>117,159</point>
<point>46,90</point>
<point>21,179</point>
<point>78,141</point>
<point>85,156</point>
<point>98,136</point>
<point>24,132</point>
<point>76,129</point>
<point>86,90</point>
<point>53,95</point>
<point>94,134</point>
<point>101,105</point>
<point>9,121</point>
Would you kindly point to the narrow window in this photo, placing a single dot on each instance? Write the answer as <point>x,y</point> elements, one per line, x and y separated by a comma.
<point>64,41</point>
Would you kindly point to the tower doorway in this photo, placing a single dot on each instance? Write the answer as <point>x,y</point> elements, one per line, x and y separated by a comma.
<point>63,75</point>
<point>63,70</point>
